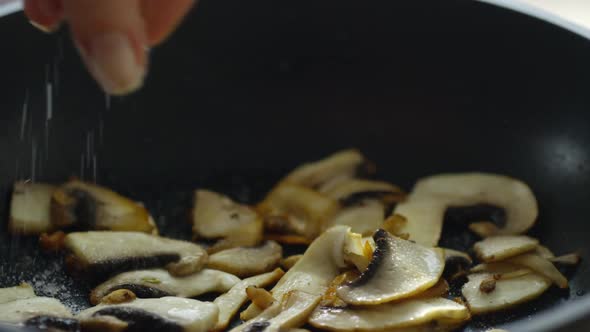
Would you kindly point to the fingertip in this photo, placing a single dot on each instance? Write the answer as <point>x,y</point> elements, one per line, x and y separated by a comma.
<point>162,18</point>
<point>46,15</point>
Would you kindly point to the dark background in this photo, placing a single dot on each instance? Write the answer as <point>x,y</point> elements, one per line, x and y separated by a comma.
<point>244,91</point>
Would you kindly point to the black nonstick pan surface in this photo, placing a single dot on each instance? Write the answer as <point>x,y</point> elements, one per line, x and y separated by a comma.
<point>245,91</point>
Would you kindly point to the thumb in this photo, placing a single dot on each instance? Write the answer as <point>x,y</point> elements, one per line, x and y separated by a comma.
<point>111,38</point>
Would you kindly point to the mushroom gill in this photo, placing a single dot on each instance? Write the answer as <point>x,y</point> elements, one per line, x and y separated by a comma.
<point>398,269</point>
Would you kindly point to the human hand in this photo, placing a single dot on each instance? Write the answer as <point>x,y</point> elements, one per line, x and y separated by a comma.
<point>112,36</point>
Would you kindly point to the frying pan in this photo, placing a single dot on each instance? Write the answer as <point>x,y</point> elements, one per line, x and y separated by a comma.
<point>245,91</point>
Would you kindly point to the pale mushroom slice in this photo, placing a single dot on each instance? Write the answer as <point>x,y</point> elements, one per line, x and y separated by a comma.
<point>162,314</point>
<point>497,248</point>
<point>288,262</point>
<point>294,209</point>
<point>247,261</point>
<point>398,269</point>
<point>291,312</point>
<point>20,292</point>
<point>567,259</point>
<point>407,314</point>
<point>19,305</point>
<point>103,252</point>
<point>89,206</point>
<point>342,164</point>
<point>30,208</point>
<point>431,197</point>
<point>487,291</point>
<point>542,266</point>
<point>363,218</point>
<point>159,283</point>
<point>216,216</point>
<point>230,302</point>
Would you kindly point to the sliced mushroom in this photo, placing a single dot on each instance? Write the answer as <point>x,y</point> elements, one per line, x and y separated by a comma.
<point>20,304</point>
<point>568,259</point>
<point>398,269</point>
<point>230,302</point>
<point>342,164</point>
<point>411,313</point>
<point>30,208</point>
<point>350,191</point>
<point>362,218</point>
<point>247,261</point>
<point>216,216</point>
<point>160,283</point>
<point>89,206</point>
<point>291,312</point>
<point>294,209</point>
<point>105,252</point>
<point>162,314</point>
<point>542,266</point>
<point>507,292</point>
<point>314,272</point>
<point>544,252</point>
<point>320,263</point>
<point>288,262</point>
<point>260,297</point>
<point>20,292</point>
<point>431,197</point>
<point>497,248</point>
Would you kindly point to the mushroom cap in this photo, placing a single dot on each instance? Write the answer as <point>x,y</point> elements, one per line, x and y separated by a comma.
<point>398,269</point>
<point>389,316</point>
<point>247,261</point>
<point>431,196</point>
<point>497,248</point>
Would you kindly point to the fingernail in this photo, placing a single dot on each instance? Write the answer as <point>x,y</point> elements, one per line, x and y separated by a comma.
<point>45,28</point>
<point>115,63</point>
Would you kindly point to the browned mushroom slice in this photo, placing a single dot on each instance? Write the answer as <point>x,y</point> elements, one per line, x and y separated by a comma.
<point>411,314</point>
<point>343,164</point>
<point>503,292</point>
<point>216,216</point>
<point>483,194</point>
<point>162,314</point>
<point>89,206</point>
<point>160,283</point>
<point>30,208</point>
<point>398,269</point>
<point>247,261</point>
<point>542,266</point>
<point>230,302</point>
<point>292,311</point>
<point>497,248</point>
<point>294,209</point>
<point>456,263</point>
<point>19,305</point>
<point>105,252</point>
